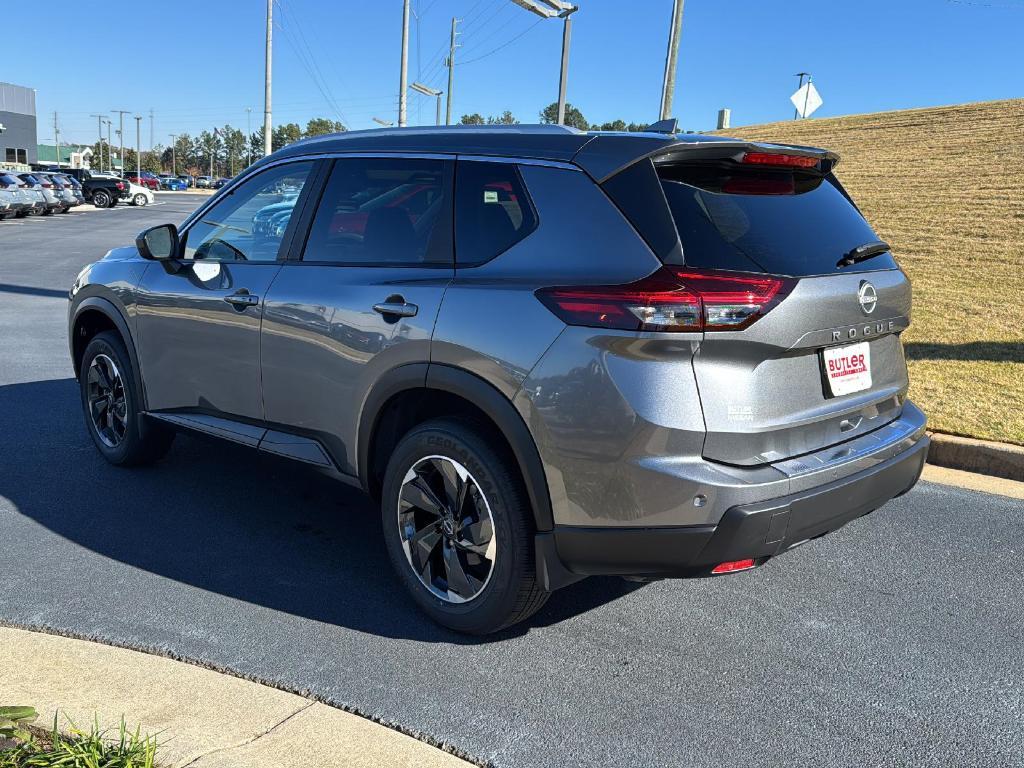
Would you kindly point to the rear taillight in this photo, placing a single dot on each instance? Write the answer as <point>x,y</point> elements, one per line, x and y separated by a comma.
<point>671,299</point>
<point>779,159</point>
<point>732,566</point>
<point>47,185</point>
<point>120,185</point>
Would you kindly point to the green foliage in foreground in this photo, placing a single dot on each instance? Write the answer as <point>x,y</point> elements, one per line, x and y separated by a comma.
<point>78,749</point>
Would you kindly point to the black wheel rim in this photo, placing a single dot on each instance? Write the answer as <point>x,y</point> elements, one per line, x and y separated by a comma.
<point>446,529</point>
<point>106,401</point>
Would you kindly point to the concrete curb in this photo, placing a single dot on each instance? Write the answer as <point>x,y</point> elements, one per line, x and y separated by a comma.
<point>979,456</point>
<point>202,718</point>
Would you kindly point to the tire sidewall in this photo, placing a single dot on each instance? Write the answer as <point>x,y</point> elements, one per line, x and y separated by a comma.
<point>490,608</point>
<point>101,200</point>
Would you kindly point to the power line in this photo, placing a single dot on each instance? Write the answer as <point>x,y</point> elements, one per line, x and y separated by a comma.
<point>503,45</point>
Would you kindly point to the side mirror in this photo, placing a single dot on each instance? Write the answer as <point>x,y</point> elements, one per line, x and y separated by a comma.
<point>158,243</point>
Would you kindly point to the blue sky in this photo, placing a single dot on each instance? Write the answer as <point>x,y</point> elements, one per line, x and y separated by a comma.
<point>203,59</point>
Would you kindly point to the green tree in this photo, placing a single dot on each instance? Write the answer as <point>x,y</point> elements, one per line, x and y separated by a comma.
<point>320,126</point>
<point>285,134</point>
<point>475,119</point>
<point>573,117</point>
<point>505,118</point>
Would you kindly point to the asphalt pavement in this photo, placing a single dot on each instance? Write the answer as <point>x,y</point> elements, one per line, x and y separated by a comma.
<point>895,641</point>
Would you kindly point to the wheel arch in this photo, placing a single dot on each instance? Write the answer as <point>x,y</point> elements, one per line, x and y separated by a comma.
<point>413,384</point>
<point>93,315</point>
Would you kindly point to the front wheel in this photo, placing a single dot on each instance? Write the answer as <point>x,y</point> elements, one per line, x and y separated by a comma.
<point>139,200</point>
<point>111,405</point>
<point>101,199</point>
<point>458,528</point>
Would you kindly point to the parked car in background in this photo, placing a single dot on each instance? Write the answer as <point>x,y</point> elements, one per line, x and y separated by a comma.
<point>61,186</point>
<point>143,179</point>
<point>14,200</point>
<point>204,182</point>
<point>101,189</point>
<point>138,195</point>
<point>76,188</point>
<point>173,183</point>
<point>52,196</point>
<point>188,179</point>
<point>220,183</point>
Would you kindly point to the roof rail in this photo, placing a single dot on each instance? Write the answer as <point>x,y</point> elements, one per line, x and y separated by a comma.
<point>669,125</point>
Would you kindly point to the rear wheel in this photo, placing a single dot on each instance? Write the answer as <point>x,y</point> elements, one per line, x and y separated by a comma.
<point>101,199</point>
<point>458,528</point>
<point>111,406</point>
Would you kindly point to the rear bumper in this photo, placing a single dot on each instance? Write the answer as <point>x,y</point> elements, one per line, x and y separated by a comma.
<point>758,530</point>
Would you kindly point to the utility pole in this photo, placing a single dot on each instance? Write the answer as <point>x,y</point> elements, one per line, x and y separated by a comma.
<point>174,140</point>
<point>248,135</point>
<point>151,129</point>
<point>801,75</point>
<point>138,146</point>
<point>213,146</point>
<point>110,160</point>
<point>403,79</point>
<point>56,138</point>
<point>99,128</point>
<point>450,62</point>
<point>267,128</point>
<point>668,86</point>
<point>120,133</point>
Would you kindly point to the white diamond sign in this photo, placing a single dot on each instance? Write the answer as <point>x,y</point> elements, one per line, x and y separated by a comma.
<point>806,99</point>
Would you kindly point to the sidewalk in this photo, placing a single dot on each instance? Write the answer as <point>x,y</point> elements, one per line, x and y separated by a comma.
<point>205,719</point>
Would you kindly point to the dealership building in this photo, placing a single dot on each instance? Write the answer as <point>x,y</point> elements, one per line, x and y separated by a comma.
<point>17,126</point>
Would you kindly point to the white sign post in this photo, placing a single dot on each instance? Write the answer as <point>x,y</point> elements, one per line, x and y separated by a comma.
<point>806,99</point>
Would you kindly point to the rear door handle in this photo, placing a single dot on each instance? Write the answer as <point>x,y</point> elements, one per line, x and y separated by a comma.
<point>396,308</point>
<point>242,300</point>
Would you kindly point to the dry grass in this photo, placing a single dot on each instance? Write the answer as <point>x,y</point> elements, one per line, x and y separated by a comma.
<point>945,186</point>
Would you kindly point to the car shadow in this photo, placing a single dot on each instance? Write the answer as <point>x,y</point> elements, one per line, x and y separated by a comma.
<point>226,519</point>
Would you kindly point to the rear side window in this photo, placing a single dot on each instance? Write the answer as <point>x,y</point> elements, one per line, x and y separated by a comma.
<point>8,181</point>
<point>384,211</point>
<point>492,211</point>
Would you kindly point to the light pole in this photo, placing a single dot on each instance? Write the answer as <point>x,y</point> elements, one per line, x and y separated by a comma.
<point>267,128</point>
<point>174,169</point>
<point>385,123</point>
<point>99,127</point>
<point>120,133</point>
<point>110,160</point>
<point>551,9</point>
<point>428,91</point>
<point>668,86</point>
<point>403,79</point>
<point>138,147</point>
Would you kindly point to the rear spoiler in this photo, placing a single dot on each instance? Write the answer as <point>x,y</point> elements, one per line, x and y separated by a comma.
<point>606,155</point>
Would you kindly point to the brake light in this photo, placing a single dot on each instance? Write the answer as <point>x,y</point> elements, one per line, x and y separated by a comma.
<point>779,159</point>
<point>672,300</point>
<point>733,566</point>
<point>47,185</point>
<point>120,185</point>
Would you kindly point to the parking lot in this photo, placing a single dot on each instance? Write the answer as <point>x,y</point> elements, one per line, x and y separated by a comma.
<point>895,641</point>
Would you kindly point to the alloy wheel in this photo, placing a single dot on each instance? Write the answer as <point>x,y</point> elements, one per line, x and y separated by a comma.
<point>108,405</point>
<point>446,529</point>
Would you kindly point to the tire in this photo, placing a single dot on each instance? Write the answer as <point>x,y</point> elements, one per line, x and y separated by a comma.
<point>139,200</point>
<point>498,576</point>
<point>101,199</point>
<point>121,433</point>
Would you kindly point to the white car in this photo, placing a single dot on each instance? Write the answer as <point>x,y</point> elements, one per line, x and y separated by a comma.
<point>139,195</point>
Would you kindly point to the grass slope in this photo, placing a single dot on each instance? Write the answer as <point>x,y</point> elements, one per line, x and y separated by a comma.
<point>945,187</point>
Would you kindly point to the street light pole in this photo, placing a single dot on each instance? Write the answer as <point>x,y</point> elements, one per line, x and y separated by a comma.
<point>428,91</point>
<point>668,87</point>
<point>268,146</point>
<point>138,147</point>
<point>99,128</point>
<point>801,75</point>
<point>452,45</point>
<point>552,9</point>
<point>174,168</point>
<point>120,133</point>
<point>110,160</point>
<point>404,77</point>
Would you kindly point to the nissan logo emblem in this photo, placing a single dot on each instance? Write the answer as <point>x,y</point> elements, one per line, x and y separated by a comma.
<point>867,296</point>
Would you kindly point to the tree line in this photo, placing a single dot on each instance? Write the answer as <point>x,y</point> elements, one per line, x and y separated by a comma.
<point>227,150</point>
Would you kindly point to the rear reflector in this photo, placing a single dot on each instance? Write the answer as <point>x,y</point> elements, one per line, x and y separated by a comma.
<point>673,300</point>
<point>733,566</point>
<point>779,159</point>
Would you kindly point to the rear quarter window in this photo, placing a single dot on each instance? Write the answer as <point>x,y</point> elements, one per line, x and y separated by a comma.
<point>493,211</point>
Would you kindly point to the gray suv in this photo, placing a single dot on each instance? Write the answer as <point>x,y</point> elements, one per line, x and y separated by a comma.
<point>547,353</point>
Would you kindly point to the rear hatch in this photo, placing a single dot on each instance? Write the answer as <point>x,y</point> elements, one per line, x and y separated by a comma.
<point>811,356</point>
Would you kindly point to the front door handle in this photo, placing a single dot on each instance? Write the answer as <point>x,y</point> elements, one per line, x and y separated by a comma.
<point>242,300</point>
<point>396,309</point>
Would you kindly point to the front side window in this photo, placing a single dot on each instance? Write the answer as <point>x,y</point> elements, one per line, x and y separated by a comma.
<point>383,211</point>
<point>492,211</point>
<point>249,223</point>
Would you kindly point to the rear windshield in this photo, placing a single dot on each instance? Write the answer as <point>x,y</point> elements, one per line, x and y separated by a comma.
<point>730,217</point>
